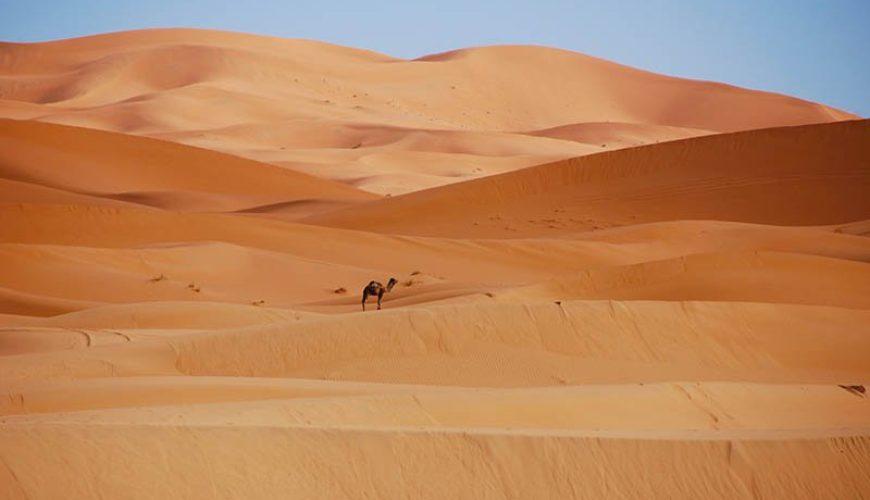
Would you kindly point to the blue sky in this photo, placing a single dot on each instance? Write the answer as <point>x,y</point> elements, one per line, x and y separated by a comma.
<point>814,49</point>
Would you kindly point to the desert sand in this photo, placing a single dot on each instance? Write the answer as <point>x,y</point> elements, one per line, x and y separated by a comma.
<point>611,283</point>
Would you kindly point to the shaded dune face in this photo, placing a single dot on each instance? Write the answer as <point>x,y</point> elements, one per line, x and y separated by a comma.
<point>611,283</point>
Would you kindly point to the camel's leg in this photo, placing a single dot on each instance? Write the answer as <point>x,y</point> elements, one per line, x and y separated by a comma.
<point>380,296</point>
<point>365,297</point>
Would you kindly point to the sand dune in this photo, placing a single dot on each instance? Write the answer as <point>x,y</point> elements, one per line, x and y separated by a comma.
<point>25,192</point>
<point>172,273</point>
<point>751,276</point>
<point>282,101</point>
<point>614,408</point>
<point>72,73</point>
<point>273,263</point>
<point>160,315</point>
<point>645,412</point>
<point>150,172</point>
<point>64,396</point>
<point>571,343</point>
<point>611,283</point>
<point>816,174</point>
<point>651,468</point>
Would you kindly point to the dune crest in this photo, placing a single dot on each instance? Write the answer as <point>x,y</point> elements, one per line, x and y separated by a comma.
<point>201,87</point>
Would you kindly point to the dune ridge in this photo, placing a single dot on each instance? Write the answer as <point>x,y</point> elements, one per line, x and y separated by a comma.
<point>316,107</point>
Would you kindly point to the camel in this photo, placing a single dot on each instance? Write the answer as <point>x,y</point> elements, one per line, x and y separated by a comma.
<point>376,288</point>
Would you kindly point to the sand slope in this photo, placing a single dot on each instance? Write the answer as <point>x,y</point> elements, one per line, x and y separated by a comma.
<point>150,172</point>
<point>701,432</point>
<point>611,284</point>
<point>816,174</point>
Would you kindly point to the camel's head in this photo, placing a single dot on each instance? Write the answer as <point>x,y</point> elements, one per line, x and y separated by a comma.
<point>392,283</point>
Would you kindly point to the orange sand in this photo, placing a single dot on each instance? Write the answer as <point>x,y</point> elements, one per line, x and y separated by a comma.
<point>612,284</point>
